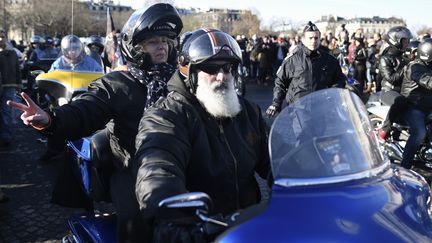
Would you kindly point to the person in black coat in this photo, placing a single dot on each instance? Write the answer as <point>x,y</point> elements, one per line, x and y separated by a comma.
<point>391,68</point>
<point>202,137</point>
<point>360,57</point>
<point>120,98</point>
<point>417,88</point>
<point>305,70</point>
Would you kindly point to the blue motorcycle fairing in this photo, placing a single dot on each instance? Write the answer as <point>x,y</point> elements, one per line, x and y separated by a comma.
<point>95,228</point>
<point>332,183</point>
<point>392,208</point>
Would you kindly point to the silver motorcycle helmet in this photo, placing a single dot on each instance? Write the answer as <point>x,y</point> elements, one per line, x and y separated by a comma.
<point>203,45</point>
<point>72,49</point>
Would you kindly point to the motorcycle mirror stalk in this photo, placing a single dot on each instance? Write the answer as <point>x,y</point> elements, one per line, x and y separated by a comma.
<point>199,202</point>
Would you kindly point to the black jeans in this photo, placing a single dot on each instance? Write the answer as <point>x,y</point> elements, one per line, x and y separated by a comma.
<point>398,106</point>
<point>360,75</point>
<point>130,225</point>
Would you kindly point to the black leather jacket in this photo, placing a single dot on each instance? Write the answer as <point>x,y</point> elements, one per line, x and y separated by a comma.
<point>390,67</point>
<point>360,55</point>
<point>303,72</point>
<point>118,97</point>
<point>182,148</point>
<point>417,84</point>
<point>9,69</point>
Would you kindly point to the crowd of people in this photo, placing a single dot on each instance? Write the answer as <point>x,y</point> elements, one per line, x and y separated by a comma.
<point>173,118</point>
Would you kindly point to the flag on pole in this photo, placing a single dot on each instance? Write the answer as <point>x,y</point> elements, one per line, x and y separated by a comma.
<point>111,43</point>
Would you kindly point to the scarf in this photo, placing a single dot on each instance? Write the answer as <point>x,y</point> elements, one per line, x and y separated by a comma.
<point>155,79</point>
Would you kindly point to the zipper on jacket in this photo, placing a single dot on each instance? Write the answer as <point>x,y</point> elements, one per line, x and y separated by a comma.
<point>235,165</point>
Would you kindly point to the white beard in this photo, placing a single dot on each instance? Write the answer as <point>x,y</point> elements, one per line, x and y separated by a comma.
<point>218,98</point>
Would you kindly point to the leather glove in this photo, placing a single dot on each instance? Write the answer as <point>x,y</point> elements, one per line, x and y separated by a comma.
<point>272,111</point>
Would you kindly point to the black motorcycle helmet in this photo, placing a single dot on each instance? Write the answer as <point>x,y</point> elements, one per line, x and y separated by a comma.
<point>160,19</point>
<point>49,41</point>
<point>424,51</point>
<point>37,39</point>
<point>396,34</point>
<point>95,40</point>
<point>202,45</point>
<point>411,49</point>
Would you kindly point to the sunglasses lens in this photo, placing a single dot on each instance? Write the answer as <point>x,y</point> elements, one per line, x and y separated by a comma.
<point>215,68</point>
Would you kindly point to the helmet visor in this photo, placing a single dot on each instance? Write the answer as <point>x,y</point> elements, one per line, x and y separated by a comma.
<point>73,50</point>
<point>213,45</point>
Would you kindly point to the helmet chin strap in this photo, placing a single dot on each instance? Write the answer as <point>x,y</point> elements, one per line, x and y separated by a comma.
<point>191,77</point>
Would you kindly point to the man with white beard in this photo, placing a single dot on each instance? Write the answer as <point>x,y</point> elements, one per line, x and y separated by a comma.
<point>202,137</point>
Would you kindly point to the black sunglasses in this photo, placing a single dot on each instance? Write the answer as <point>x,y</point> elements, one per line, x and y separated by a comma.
<point>215,68</point>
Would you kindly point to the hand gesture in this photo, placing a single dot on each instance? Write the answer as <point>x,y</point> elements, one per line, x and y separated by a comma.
<point>32,114</point>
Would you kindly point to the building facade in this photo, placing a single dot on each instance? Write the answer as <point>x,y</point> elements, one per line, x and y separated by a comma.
<point>221,18</point>
<point>370,26</point>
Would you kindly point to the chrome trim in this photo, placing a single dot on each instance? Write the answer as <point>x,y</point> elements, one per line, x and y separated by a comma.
<point>77,71</point>
<point>284,182</point>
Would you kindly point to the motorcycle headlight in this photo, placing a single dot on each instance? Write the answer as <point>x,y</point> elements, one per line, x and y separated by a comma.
<point>62,101</point>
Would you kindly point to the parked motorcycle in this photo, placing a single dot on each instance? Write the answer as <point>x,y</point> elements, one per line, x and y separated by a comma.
<point>399,134</point>
<point>331,184</point>
<point>62,86</point>
<point>32,69</point>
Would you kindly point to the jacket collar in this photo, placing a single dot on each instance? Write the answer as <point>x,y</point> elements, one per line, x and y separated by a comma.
<point>177,84</point>
<point>309,53</point>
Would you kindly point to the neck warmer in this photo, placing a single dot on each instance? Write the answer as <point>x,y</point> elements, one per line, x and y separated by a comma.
<point>155,79</point>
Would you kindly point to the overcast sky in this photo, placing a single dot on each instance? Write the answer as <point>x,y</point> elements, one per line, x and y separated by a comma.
<point>416,15</point>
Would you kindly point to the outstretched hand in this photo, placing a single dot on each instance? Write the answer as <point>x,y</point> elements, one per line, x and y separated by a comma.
<point>32,114</point>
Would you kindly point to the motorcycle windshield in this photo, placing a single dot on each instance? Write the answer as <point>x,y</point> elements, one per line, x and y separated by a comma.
<point>325,137</point>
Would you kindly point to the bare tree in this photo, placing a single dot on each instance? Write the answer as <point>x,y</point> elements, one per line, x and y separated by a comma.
<point>55,18</point>
<point>280,24</point>
<point>190,22</point>
<point>248,25</point>
<point>421,30</point>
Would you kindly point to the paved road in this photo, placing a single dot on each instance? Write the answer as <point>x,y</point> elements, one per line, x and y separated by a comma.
<point>29,216</point>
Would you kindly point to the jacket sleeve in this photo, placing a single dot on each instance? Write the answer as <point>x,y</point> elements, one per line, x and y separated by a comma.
<point>263,168</point>
<point>421,75</point>
<point>85,115</point>
<point>282,83</point>
<point>389,73</point>
<point>339,79</point>
<point>162,153</point>
<point>17,70</point>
